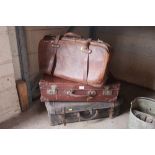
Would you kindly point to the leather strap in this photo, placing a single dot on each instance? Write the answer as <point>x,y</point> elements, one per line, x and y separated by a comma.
<point>93,114</point>
<point>87,51</point>
<point>55,46</point>
<point>85,68</point>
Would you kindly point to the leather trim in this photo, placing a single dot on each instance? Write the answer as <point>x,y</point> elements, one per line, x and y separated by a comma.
<point>85,68</point>
<point>86,60</point>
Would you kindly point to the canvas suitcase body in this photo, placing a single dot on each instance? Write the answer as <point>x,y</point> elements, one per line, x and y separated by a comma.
<point>69,112</point>
<point>57,89</point>
<point>75,59</point>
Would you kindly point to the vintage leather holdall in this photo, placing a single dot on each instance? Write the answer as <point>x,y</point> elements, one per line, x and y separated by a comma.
<point>73,58</point>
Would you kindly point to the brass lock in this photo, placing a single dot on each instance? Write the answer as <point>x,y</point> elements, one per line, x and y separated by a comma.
<point>92,93</point>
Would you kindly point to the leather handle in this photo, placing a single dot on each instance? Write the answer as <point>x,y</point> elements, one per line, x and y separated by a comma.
<point>90,93</point>
<point>70,34</point>
<point>93,114</point>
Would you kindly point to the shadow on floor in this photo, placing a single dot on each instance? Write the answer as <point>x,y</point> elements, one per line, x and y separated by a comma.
<point>37,108</point>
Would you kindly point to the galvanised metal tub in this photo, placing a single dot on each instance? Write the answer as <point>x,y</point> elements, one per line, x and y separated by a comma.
<point>142,113</point>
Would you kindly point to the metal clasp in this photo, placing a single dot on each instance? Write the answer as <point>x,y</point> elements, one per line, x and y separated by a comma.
<point>55,45</point>
<point>53,90</point>
<point>92,93</point>
<point>107,91</point>
<point>86,50</point>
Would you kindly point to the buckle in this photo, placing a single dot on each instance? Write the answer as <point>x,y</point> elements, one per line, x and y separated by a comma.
<point>86,50</point>
<point>55,45</point>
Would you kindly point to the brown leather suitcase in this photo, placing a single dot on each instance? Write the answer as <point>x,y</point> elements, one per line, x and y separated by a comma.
<point>73,58</point>
<point>57,89</point>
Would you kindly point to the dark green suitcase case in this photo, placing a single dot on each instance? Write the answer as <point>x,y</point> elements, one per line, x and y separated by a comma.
<point>69,112</point>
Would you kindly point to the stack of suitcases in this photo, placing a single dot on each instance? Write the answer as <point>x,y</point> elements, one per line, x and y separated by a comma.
<point>74,84</point>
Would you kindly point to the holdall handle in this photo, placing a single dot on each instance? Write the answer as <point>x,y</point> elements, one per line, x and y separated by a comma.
<point>93,114</point>
<point>91,93</point>
<point>71,34</point>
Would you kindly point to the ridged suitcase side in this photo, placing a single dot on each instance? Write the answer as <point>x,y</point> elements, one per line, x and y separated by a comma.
<point>57,89</point>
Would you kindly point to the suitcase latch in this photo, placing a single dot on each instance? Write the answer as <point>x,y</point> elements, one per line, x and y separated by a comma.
<point>53,90</point>
<point>107,91</point>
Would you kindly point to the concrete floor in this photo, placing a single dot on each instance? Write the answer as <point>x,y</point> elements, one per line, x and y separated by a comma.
<point>36,117</point>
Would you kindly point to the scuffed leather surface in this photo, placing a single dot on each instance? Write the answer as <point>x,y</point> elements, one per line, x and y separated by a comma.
<point>62,86</point>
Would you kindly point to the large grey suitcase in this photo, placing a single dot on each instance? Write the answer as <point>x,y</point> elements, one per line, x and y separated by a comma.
<point>69,112</point>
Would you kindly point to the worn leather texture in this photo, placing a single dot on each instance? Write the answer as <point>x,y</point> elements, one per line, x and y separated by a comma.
<point>69,112</point>
<point>73,58</point>
<point>57,89</point>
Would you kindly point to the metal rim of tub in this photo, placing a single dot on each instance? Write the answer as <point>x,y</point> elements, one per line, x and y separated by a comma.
<point>146,105</point>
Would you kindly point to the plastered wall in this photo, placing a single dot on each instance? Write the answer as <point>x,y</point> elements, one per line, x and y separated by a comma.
<point>133,53</point>
<point>9,103</point>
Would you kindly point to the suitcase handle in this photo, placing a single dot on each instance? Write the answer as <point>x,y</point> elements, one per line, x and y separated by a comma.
<point>93,114</point>
<point>90,93</point>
